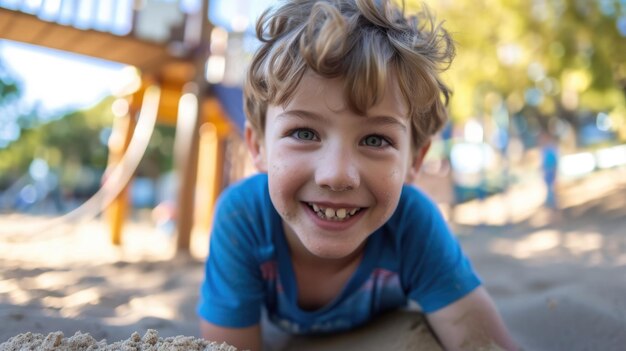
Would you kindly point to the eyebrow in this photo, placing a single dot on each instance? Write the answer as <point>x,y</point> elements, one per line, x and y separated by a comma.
<point>301,114</point>
<point>386,121</point>
<point>378,120</point>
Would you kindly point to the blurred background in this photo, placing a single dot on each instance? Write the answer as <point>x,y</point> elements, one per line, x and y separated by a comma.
<point>127,114</point>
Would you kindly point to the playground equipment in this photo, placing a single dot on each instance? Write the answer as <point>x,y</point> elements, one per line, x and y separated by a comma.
<point>173,90</point>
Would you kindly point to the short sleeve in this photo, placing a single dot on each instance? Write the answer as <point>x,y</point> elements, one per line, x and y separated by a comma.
<point>231,294</point>
<point>436,272</point>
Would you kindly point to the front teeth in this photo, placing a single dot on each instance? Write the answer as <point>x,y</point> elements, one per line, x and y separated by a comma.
<point>332,214</point>
<point>341,213</point>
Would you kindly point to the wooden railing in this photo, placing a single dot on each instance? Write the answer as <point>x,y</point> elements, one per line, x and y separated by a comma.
<point>146,34</point>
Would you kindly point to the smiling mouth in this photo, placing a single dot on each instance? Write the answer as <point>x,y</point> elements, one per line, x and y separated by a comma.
<point>333,214</point>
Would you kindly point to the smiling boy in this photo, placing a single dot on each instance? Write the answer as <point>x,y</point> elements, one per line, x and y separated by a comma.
<point>342,98</point>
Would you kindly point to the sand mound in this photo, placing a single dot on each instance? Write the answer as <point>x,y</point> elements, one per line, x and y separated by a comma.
<point>84,342</point>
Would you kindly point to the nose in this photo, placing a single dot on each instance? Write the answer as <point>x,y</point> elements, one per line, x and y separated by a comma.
<point>337,170</point>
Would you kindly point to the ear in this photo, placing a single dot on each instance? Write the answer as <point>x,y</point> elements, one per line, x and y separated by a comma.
<point>417,158</point>
<point>257,150</point>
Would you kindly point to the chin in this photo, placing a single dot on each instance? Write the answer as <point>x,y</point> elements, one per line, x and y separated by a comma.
<point>332,251</point>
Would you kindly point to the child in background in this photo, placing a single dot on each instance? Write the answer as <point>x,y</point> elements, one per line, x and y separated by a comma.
<point>549,168</point>
<point>341,99</point>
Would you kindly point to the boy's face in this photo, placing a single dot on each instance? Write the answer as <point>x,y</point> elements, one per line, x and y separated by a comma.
<point>334,176</point>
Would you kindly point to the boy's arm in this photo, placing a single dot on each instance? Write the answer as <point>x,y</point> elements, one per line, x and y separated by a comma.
<point>471,323</point>
<point>248,338</point>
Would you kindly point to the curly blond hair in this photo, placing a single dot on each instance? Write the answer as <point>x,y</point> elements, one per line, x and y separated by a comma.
<point>362,41</point>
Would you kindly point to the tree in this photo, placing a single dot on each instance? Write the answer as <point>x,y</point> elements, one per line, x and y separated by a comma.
<point>10,130</point>
<point>540,57</point>
<point>65,144</point>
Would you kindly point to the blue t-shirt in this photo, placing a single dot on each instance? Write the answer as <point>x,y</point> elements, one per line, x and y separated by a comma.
<point>411,257</point>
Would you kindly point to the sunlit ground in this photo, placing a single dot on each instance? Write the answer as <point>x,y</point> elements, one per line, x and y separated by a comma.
<point>559,279</point>
<point>588,227</point>
<point>516,224</point>
<point>75,272</point>
<point>540,266</point>
<point>75,243</point>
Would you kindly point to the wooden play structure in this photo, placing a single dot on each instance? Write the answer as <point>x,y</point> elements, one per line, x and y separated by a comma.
<point>176,65</point>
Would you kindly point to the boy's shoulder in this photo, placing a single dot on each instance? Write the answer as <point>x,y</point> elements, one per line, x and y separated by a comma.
<point>415,210</point>
<point>412,198</point>
<point>245,194</point>
<point>251,187</point>
<point>245,208</point>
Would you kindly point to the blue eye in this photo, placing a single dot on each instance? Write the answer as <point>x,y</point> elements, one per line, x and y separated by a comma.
<point>304,134</point>
<point>375,141</point>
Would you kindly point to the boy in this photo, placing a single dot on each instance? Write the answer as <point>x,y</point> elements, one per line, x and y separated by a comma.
<point>341,99</point>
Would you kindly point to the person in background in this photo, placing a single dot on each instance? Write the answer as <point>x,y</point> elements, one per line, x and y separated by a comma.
<point>549,168</point>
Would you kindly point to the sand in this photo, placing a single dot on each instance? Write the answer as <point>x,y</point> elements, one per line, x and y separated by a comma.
<point>559,280</point>
<point>83,341</point>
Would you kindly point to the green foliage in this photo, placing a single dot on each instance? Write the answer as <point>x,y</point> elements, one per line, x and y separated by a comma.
<point>74,142</point>
<point>158,158</point>
<point>9,86</point>
<point>569,51</point>
<point>68,141</point>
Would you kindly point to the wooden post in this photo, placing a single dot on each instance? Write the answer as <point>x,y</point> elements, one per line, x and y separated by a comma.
<point>210,177</point>
<point>187,169</point>
<point>123,129</point>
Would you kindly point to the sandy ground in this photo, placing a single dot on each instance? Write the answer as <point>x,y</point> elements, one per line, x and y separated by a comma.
<point>560,283</point>
<point>559,279</point>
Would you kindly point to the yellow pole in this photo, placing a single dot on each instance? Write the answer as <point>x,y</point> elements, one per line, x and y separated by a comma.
<point>209,178</point>
<point>123,128</point>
